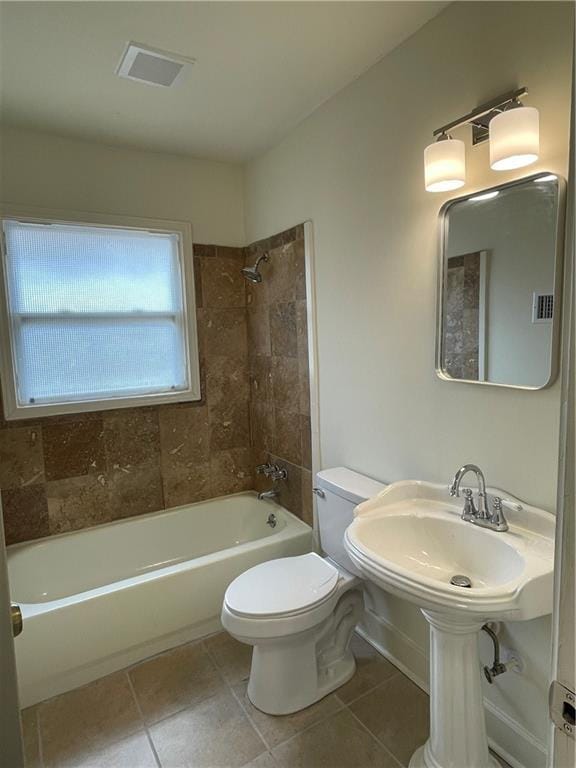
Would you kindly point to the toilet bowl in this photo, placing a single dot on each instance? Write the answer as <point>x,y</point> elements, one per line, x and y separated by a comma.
<point>299,613</point>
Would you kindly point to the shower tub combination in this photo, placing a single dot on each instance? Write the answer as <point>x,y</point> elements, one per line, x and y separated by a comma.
<point>97,600</point>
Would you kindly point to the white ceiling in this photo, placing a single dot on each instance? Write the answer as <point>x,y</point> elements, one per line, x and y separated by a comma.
<point>261,67</point>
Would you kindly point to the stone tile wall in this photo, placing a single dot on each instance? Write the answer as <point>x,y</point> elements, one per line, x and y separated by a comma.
<point>462,317</point>
<point>279,368</point>
<point>64,473</point>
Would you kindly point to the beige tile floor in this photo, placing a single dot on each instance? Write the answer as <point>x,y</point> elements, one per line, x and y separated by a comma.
<point>188,708</point>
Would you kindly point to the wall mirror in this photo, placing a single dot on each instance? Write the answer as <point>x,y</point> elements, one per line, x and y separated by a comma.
<point>500,275</point>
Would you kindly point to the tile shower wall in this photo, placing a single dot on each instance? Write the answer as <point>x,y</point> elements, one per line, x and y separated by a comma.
<point>462,317</point>
<point>63,473</point>
<point>279,369</point>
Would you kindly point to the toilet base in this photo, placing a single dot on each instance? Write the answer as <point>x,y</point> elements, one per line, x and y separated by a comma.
<point>293,672</point>
<point>341,674</point>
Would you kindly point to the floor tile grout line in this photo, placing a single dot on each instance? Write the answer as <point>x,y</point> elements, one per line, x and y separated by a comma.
<point>39,737</point>
<point>127,669</point>
<point>236,697</point>
<point>217,667</point>
<point>342,706</point>
<point>269,747</point>
<point>145,724</point>
<point>135,698</point>
<point>207,650</point>
<point>187,706</point>
<point>376,739</point>
<point>117,739</point>
<point>230,687</point>
<point>158,654</point>
<point>321,720</point>
<point>369,691</point>
<point>240,703</point>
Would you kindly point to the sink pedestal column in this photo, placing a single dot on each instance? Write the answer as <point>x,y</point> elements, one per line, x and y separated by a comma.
<point>457,727</point>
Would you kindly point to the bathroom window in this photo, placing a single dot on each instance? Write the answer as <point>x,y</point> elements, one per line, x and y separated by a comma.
<point>96,315</point>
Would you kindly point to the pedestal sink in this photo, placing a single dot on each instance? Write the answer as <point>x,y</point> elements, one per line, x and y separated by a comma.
<point>410,540</point>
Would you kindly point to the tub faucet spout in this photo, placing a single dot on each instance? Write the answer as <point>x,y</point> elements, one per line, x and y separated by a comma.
<point>267,495</point>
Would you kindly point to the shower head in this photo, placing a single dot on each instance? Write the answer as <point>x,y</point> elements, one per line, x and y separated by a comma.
<point>251,273</point>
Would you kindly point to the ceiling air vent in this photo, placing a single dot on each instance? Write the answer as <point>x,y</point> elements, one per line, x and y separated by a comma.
<point>542,307</point>
<point>152,66</point>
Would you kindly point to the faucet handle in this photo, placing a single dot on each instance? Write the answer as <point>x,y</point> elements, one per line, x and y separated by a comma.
<point>497,519</point>
<point>264,469</point>
<point>278,473</point>
<point>469,512</point>
<point>509,504</point>
<point>498,504</point>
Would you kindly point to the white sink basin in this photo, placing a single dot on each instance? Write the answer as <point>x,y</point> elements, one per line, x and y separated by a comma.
<point>410,540</point>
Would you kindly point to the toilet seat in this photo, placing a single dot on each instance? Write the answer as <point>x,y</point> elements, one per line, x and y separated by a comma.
<point>281,588</point>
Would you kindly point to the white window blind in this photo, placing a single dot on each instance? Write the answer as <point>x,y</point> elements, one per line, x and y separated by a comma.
<point>95,312</point>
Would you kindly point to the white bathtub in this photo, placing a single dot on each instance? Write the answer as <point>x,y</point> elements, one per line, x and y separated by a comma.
<point>99,599</point>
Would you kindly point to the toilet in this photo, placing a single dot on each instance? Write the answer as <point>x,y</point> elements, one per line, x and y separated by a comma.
<point>299,612</point>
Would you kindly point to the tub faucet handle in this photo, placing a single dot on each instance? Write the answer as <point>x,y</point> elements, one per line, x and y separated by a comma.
<point>278,473</point>
<point>265,469</point>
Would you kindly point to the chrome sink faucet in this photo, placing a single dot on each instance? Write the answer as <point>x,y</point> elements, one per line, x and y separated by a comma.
<point>470,511</point>
<point>480,515</point>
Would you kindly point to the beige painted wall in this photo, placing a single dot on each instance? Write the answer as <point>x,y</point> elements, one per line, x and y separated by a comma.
<point>354,168</point>
<point>56,172</point>
<point>383,410</point>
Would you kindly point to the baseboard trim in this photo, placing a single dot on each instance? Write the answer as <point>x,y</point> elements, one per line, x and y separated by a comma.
<point>533,752</point>
<point>404,668</point>
<point>406,639</point>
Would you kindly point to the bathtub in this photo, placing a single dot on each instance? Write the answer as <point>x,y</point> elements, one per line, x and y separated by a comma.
<point>97,600</point>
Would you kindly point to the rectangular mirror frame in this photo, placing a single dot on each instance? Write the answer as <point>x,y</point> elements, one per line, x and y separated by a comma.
<point>558,282</point>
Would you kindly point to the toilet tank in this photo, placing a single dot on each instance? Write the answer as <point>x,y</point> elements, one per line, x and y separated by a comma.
<point>338,491</point>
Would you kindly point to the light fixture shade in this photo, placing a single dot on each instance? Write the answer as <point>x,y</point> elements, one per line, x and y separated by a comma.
<point>444,165</point>
<point>514,138</point>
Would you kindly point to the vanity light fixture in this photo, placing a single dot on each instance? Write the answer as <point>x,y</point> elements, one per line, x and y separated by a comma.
<point>512,128</point>
<point>514,137</point>
<point>445,164</point>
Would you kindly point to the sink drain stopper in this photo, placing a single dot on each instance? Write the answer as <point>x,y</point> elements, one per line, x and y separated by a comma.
<point>460,581</point>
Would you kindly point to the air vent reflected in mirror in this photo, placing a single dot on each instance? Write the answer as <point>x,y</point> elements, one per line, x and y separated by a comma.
<point>542,307</point>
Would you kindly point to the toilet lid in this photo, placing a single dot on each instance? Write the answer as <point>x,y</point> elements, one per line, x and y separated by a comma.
<point>282,586</point>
